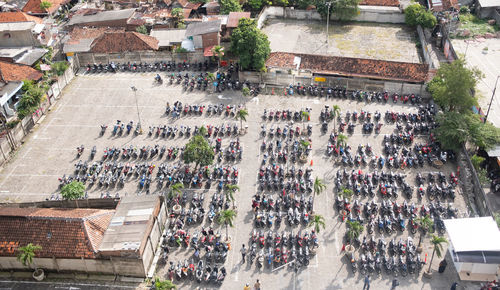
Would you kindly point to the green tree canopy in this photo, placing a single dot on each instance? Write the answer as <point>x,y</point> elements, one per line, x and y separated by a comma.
<point>198,150</point>
<point>416,14</point>
<point>229,191</point>
<point>346,193</point>
<point>250,44</point>
<point>27,253</point>
<point>343,9</point>
<point>354,229</point>
<point>176,190</point>
<point>257,4</point>
<point>242,115</point>
<point>454,129</point>
<point>142,29</point>
<point>73,190</point>
<point>178,15</point>
<point>227,6</point>
<point>437,243</point>
<point>45,5</point>
<point>317,221</point>
<point>226,217</point>
<point>164,285</point>
<point>452,86</point>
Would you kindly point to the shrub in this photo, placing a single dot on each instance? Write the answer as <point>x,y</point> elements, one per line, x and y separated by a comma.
<point>13,123</point>
<point>416,14</point>
<point>476,161</point>
<point>60,67</point>
<point>181,50</point>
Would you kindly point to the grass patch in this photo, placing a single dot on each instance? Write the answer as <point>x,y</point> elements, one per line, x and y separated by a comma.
<point>475,25</point>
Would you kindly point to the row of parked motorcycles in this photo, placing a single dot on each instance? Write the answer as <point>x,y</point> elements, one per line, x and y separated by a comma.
<point>148,67</point>
<point>178,109</point>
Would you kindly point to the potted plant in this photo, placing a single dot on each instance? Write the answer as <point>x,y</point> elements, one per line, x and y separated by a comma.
<point>304,145</point>
<point>26,255</point>
<point>175,191</point>
<point>354,229</point>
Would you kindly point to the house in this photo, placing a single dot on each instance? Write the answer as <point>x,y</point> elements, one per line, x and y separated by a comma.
<point>204,34</point>
<point>18,16</point>
<point>232,22</point>
<point>168,38</point>
<point>32,7</point>
<point>442,5</point>
<point>108,237</point>
<point>474,246</point>
<point>114,18</point>
<point>186,4</point>
<point>488,9</point>
<point>18,34</point>
<point>81,38</point>
<point>11,80</point>
<point>334,66</point>
<point>211,8</point>
<point>117,42</point>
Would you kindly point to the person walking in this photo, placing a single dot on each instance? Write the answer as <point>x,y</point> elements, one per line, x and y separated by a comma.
<point>256,286</point>
<point>367,283</point>
<point>243,253</point>
<point>395,283</point>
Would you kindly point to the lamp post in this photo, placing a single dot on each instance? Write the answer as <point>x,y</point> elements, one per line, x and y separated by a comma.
<point>134,89</point>
<point>327,19</point>
<point>492,97</point>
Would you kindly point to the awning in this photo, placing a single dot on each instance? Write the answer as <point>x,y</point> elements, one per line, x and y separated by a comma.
<point>487,257</point>
<point>208,51</point>
<point>479,234</point>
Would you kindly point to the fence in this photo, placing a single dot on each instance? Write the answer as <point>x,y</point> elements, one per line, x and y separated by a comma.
<point>425,47</point>
<point>24,127</point>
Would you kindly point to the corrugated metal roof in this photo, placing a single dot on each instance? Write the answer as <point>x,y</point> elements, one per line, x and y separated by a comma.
<point>203,27</point>
<point>101,16</point>
<point>167,37</point>
<point>489,3</point>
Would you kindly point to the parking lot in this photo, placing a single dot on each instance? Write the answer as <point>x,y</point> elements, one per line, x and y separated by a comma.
<point>359,40</point>
<point>93,100</point>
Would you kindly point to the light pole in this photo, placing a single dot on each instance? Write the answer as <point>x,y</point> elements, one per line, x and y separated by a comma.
<point>327,19</point>
<point>491,101</point>
<point>134,89</point>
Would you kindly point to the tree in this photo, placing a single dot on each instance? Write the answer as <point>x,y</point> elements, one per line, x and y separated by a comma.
<point>346,193</point>
<point>60,67</point>
<point>242,115</point>
<point>227,6</point>
<point>30,100</point>
<point>198,150</point>
<point>73,190</point>
<point>202,131</point>
<point>229,190</point>
<point>304,145</point>
<point>343,9</point>
<point>245,91</point>
<point>176,190</point>
<point>425,223</point>
<point>164,285</point>
<point>452,86</point>
<point>317,221</point>
<point>354,229</point>
<point>142,29</point>
<point>44,5</point>
<point>178,16</point>
<point>219,51</point>
<point>342,140</point>
<point>257,4</point>
<point>305,117</point>
<point>416,14</point>
<point>226,217</point>
<point>437,243</point>
<point>27,253</point>
<point>454,129</point>
<point>477,161</point>
<point>319,187</point>
<point>250,44</point>
<point>335,114</point>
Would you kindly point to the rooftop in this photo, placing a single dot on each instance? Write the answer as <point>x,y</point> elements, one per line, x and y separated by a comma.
<point>17,26</point>
<point>189,5</point>
<point>81,38</point>
<point>115,42</point>
<point>168,37</point>
<point>62,233</point>
<point>18,17</point>
<point>23,55</point>
<point>33,6</point>
<point>203,27</point>
<point>234,17</point>
<point>489,3</point>
<point>101,16</point>
<point>350,67</point>
<point>11,72</point>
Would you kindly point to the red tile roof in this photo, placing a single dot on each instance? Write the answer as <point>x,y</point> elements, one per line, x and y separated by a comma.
<point>234,17</point>
<point>33,6</point>
<point>79,33</point>
<point>62,233</point>
<point>189,5</point>
<point>12,72</point>
<point>114,42</point>
<point>355,67</point>
<point>380,2</point>
<point>18,17</point>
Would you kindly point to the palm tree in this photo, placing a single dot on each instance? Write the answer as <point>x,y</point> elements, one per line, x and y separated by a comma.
<point>242,115</point>
<point>341,140</point>
<point>304,145</point>
<point>346,193</point>
<point>229,190</point>
<point>426,224</point>
<point>226,217</point>
<point>219,51</point>
<point>319,187</point>
<point>335,113</point>
<point>317,221</point>
<point>437,242</point>
<point>27,253</point>
<point>354,229</point>
<point>164,285</point>
<point>305,117</point>
<point>175,190</point>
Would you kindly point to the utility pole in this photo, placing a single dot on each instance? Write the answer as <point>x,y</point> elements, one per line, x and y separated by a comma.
<point>327,20</point>
<point>492,97</point>
<point>134,89</point>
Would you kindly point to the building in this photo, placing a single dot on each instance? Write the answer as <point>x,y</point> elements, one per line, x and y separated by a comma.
<point>117,42</point>
<point>11,81</point>
<point>488,9</point>
<point>18,16</point>
<point>168,38</point>
<point>92,18</point>
<point>107,238</point>
<point>18,34</point>
<point>32,7</point>
<point>204,34</point>
<point>474,246</point>
<point>442,5</point>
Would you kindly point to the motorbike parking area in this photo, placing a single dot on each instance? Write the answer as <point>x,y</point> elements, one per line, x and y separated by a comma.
<point>94,100</point>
